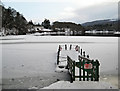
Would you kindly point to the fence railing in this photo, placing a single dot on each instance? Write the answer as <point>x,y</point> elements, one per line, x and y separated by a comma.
<point>64,47</point>
<point>88,69</point>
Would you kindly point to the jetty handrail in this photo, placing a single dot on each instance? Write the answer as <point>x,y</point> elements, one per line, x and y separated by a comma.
<point>58,54</point>
<point>94,71</point>
<point>71,68</point>
<point>84,58</point>
<point>88,69</point>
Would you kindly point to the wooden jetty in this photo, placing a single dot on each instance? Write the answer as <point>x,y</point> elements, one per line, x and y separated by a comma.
<point>79,65</point>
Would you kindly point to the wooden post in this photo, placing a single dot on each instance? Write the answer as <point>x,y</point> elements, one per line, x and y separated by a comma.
<point>81,51</point>
<point>67,64</point>
<point>87,71</point>
<point>73,70</point>
<point>97,70</point>
<point>79,69</point>
<point>71,79</point>
<point>65,47</point>
<point>87,56</point>
<point>83,71</point>
<point>58,57</point>
<point>70,47</point>
<point>84,53</point>
<point>58,54</point>
<point>78,49</point>
<point>92,71</point>
<point>87,75</point>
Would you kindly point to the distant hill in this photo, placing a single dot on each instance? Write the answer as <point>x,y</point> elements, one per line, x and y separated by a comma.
<point>108,24</point>
<point>107,21</point>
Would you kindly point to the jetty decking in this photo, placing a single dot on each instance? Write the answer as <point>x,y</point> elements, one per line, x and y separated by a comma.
<point>79,65</point>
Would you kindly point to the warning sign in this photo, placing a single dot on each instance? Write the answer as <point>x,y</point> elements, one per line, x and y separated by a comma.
<point>87,66</point>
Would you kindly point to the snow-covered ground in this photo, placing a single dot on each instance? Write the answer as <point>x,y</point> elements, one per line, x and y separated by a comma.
<point>80,85</point>
<point>35,56</point>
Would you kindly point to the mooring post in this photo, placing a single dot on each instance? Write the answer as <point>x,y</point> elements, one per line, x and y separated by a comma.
<point>70,46</point>
<point>80,69</point>
<point>73,70</point>
<point>92,74</point>
<point>81,51</point>
<point>87,56</point>
<point>97,70</point>
<point>84,53</point>
<point>83,70</point>
<point>65,47</point>
<point>78,49</point>
<point>58,54</point>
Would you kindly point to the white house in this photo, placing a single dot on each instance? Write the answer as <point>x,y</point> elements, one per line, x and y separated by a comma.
<point>38,28</point>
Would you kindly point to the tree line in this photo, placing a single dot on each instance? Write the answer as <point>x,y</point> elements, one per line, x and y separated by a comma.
<point>74,28</point>
<point>13,19</point>
<point>113,25</point>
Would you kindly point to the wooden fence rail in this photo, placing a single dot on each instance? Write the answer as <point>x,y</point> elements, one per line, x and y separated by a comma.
<point>88,69</point>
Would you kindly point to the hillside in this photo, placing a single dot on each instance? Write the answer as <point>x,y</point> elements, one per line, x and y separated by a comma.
<point>109,24</point>
<point>99,22</point>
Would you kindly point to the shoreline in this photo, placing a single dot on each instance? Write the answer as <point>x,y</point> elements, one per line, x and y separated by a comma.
<point>28,82</point>
<point>41,82</point>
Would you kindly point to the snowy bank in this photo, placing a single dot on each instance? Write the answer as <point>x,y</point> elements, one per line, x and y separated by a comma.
<point>61,39</point>
<point>80,85</point>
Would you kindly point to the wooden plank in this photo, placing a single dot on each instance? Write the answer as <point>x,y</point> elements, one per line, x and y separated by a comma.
<point>94,74</point>
<point>83,71</point>
<point>81,76</point>
<point>58,57</point>
<point>79,70</point>
<point>97,70</point>
<point>92,71</point>
<point>84,58</point>
<point>87,76</point>
<point>73,70</point>
<point>81,51</point>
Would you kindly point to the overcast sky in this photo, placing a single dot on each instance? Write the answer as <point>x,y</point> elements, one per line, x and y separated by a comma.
<point>78,11</point>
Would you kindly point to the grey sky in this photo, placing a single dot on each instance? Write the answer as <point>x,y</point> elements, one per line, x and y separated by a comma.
<point>78,11</point>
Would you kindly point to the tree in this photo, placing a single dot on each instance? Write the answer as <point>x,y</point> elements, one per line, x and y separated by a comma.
<point>21,23</point>
<point>30,22</point>
<point>13,19</point>
<point>46,24</point>
<point>75,28</point>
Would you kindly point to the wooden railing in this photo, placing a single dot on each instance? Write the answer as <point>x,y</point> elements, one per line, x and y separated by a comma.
<point>89,66</point>
<point>88,69</point>
<point>71,68</point>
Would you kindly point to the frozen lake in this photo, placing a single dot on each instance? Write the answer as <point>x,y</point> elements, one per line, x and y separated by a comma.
<point>36,55</point>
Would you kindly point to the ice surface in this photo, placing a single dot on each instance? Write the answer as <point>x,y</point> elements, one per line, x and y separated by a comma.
<point>37,53</point>
<point>29,55</point>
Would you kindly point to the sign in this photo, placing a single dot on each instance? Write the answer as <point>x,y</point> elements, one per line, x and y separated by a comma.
<point>87,66</point>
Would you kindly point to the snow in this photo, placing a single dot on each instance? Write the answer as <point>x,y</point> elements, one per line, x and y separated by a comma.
<point>80,85</point>
<point>117,32</point>
<point>60,39</point>
<point>29,55</point>
<point>38,34</point>
<point>105,49</point>
<point>61,69</point>
<point>63,57</point>
<point>46,30</point>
